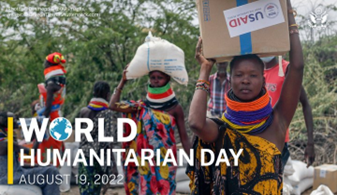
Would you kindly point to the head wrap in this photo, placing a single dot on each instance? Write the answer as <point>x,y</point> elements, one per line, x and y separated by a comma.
<point>55,58</point>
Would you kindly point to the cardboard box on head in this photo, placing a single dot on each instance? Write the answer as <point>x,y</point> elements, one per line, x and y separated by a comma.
<point>158,54</point>
<point>238,27</point>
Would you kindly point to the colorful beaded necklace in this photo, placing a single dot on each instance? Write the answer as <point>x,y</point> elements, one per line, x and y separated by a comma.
<point>160,97</point>
<point>248,117</point>
<point>98,104</point>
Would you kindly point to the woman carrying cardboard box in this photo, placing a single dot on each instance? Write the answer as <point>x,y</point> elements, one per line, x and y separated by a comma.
<point>249,123</point>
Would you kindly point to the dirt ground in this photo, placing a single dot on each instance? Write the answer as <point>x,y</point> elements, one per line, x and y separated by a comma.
<point>120,191</point>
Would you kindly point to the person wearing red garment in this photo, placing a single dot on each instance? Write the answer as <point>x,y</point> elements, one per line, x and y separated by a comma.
<point>52,97</point>
<point>274,84</point>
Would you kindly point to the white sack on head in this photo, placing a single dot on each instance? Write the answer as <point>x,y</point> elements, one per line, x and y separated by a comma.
<point>158,54</point>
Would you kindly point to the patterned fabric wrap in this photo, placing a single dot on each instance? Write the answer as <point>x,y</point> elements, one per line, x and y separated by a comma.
<point>160,97</point>
<point>98,104</point>
<point>110,128</point>
<point>248,117</point>
<point>58,98</point>
<point>155,131</point>
<point>258,172</point>
<point>91,186</point>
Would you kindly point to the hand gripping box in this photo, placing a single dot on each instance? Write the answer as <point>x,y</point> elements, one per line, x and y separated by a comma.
<point>326,174</point>
<point>237,27</point>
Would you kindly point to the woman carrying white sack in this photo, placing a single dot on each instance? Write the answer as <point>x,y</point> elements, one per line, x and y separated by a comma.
<point>156,116</point>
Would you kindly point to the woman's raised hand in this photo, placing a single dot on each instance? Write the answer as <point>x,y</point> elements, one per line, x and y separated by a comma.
<point>124,73</point>
<point>200,58</point>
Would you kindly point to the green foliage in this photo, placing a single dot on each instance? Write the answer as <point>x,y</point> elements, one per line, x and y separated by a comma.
<point>320,84</point>
<point>97,39</point>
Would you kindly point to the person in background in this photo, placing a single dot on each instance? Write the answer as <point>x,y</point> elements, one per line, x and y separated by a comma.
<point>31,174</point>
<point>35,107</point>
<point>97,108</point>
<point>52,91</point>
<point>219,85</point>
<point>274,84</point>
<point>52,97</point>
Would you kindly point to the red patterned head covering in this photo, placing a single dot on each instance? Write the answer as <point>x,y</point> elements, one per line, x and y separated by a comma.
<point>55,58</point>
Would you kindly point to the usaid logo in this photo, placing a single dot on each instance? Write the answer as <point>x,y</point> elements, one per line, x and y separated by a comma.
<point>271,10</point>
<point>245,19</point>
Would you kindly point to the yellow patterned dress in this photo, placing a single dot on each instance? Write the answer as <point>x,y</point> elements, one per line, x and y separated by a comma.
<point>258,171</point>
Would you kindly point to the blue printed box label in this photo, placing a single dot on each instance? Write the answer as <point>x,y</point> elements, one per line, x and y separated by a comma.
<point>206,10</point>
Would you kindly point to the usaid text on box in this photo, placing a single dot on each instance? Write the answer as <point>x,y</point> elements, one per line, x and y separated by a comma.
<point>253,16</point>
